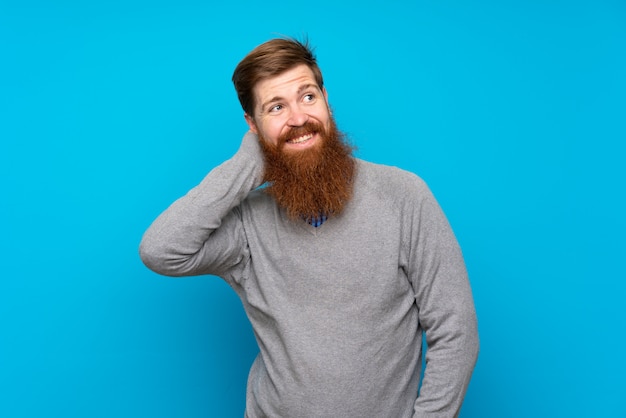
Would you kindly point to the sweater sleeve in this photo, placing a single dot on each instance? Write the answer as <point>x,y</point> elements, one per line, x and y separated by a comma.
<point>202,232</point>
<point>446,311</point>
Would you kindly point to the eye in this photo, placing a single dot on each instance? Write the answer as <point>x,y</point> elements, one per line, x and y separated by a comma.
<point>275,108</point>
<point>309,98</point>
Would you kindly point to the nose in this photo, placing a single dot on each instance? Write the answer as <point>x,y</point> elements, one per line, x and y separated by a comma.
<point>297,117</point>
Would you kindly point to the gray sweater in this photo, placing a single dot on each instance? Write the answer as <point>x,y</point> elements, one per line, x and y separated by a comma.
<point>338,311</point>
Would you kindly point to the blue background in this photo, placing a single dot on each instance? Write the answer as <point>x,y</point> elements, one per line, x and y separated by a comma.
<point>512,111</point>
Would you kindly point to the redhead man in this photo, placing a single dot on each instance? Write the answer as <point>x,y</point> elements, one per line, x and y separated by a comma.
<point>342,265</point>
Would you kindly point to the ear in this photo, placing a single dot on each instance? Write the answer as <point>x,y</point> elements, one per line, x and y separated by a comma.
<point>251,123</point>
<point>330,111</point>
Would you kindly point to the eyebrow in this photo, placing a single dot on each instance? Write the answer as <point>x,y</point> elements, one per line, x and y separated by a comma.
<point>279,99</point>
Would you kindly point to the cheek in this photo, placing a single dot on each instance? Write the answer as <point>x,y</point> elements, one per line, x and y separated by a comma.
<point>323,115</point>
<point>271,132</point>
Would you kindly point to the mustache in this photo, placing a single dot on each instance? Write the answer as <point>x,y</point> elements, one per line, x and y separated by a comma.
<point>295,132</point>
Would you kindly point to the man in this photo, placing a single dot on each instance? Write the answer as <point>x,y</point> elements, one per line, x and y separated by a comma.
<point>340,263</point>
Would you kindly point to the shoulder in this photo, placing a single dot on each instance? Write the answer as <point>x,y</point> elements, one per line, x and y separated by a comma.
<point>389,180</point>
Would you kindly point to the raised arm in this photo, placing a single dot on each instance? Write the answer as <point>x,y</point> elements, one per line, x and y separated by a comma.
<point>446,312</point>
<point>201,233</point>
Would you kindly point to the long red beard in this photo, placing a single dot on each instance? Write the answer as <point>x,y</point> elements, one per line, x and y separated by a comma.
<point>312,182</point>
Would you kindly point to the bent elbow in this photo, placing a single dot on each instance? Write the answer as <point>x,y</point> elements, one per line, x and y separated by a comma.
<point>155,258</point>
<point>475,348</point>
<point>473,343</point>
<point>149,257</point>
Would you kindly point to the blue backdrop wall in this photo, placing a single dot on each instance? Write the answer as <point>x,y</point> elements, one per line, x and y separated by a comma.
<point>513,111</point>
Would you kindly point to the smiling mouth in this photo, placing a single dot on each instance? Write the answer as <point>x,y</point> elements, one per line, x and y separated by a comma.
<point>300,139</point>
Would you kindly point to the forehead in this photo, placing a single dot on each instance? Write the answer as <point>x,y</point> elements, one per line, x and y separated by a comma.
<point>283,84</point>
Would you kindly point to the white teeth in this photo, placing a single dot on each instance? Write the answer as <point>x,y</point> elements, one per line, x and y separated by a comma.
<point>300,139</point>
